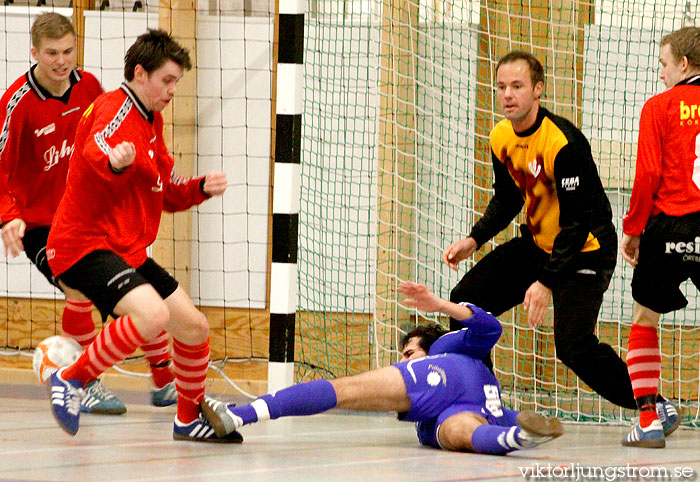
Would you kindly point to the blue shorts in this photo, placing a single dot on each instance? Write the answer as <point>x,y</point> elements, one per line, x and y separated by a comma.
<point>440,386</point>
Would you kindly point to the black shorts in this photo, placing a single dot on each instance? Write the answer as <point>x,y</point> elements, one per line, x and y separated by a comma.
<point>105,278</point>
<point>34,242</point>
<point>669,254</point>
<point>499,281</point>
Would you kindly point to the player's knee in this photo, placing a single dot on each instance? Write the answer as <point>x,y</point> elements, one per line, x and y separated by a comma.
<point>150,320</point>
<point>198,326</point>
<point>159,317</point>
<point>565,352</point>
<point>456,432</point>
<point>574,351</point>
<point>455,437</point>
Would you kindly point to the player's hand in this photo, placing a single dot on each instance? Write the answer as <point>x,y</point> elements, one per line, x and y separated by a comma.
<point>537,298</point>
<point>629,247</point>
<point>419,297</point>
<point>215,183</point>
<point>122,155</point>
<point>12,234</point>
<point>458,251</point>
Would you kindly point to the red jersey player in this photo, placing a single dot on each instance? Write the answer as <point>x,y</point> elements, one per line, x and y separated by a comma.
<point>38,116</point>
<point>661,228</point>
<point>121,179</point>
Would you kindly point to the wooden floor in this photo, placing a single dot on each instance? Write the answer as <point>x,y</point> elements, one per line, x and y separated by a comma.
<point>138,446</point>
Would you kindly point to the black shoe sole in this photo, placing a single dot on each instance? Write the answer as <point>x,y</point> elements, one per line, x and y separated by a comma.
<point>104,412</point>
<point>231,438</point>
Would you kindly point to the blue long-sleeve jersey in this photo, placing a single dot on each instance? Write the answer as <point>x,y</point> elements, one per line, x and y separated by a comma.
<point>453,378</point>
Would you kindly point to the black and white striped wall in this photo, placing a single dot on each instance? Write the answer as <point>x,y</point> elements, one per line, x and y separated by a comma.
<point>285,204</point>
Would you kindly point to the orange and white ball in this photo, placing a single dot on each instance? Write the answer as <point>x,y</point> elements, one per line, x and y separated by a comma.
<point>53,353</point>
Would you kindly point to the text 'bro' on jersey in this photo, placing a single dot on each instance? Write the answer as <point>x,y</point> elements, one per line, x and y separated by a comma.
<point>667,177</point>
<point>36,142</point>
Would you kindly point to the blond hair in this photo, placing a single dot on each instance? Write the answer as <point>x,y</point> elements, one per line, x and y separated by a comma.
<point>50,25</point>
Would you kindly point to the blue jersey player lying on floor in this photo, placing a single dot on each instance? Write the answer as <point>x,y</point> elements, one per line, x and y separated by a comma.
<point>441,383</point>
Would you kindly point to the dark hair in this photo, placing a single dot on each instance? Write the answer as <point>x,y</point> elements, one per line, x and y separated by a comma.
<point>426,334</point>
<point>152,50</point>
<point>50,25</point>
<point>536,70</point>
<point>685,43</point>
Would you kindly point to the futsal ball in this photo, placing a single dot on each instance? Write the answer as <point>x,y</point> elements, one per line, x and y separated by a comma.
<point>53,353</point>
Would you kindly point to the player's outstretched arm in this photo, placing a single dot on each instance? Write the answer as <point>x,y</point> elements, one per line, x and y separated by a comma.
<point>484,329</point>
<point>182,193</point>
<point>420,297</point>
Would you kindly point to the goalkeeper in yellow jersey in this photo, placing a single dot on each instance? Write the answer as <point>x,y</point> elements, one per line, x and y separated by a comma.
<point>567,249</point>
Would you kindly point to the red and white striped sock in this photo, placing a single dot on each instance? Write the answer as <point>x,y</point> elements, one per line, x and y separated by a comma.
<point>116,341</point>
<point>644,366</point>
<point>157,352</point>
<point>191,365</point>
<point>77,321</point>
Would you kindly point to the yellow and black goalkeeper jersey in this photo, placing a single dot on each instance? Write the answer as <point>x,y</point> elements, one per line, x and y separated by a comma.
<point>550,169</point>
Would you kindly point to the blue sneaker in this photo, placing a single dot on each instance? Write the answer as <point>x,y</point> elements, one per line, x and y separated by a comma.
<point>65,401</point>
<point>165,396</point>
<point>100,400</point>
<point>668,415</point>
<point>651,437</point>
<point>201,431</point>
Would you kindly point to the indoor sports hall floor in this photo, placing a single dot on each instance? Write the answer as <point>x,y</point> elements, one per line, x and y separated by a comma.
<point>138,446</point>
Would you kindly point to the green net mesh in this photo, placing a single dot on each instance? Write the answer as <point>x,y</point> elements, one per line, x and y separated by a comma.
<point>396,165</point>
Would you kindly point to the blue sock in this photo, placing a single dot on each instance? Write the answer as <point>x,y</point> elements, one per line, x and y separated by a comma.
<point>247,413</point>
<point>511,416</point>
<point>303,399</point>
<point>495,440</point>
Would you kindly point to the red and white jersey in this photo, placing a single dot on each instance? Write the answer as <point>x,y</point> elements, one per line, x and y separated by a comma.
<point>667,178</point>
<point>119,212</point>
<point>36,141</point>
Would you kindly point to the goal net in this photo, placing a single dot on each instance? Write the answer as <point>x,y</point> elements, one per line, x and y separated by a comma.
<point>395,165</point>
<point>399,101</point>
